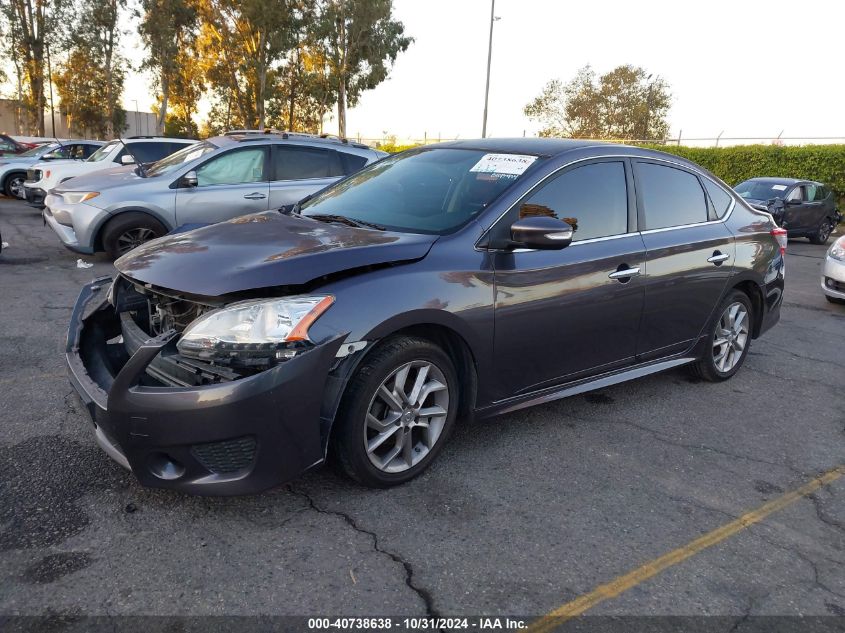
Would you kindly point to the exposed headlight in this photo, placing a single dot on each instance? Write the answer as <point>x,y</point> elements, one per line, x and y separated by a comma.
<point>837,251</point>
<point>253,333</point>
<point>75,197</point>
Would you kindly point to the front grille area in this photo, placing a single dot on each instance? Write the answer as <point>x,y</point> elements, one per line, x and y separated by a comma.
<point>229,456</point>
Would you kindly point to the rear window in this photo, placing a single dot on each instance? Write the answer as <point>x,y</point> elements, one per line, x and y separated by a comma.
<point>671,197</point>
<point>149,152</point>
<point>720,198</point>
<point>302,163</point>
<point>351,162</point>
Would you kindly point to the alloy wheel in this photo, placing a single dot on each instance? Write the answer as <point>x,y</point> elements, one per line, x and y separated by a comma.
<point>731,337</point>
<point>16,187</point>
<point>824,232</point>
<point>133,238</point>
<point>406,416</point>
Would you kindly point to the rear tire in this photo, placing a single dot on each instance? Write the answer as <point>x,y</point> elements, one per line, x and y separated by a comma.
<point>729,339</point>
<point>379,438</point>
<point>822,234</point>
<point>129,230</point>
<point>13,185</point>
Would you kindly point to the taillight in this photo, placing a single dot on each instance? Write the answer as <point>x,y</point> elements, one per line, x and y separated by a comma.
<point>780,235</point>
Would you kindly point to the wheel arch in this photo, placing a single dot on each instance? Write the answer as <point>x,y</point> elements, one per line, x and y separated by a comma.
<point>98,232</point>
<point>447,338</point>
<point>9,174</point>
<point>754,292</point>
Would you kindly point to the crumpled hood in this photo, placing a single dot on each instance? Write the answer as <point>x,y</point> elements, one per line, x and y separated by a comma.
<point>263,250</point>
<point>102,179</point>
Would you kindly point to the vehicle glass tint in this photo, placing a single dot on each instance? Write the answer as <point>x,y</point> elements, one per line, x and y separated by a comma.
<point>720,198</point>
<point>760,190</point>
<point>233,168</point>
<point>593,199</point>
<point>671,197</point>
<point>186,154</point>
<point>88,149</point>
<point>41,150</point>
<point>150,152</point>
<point>421,191</point>
<point>795,195</point>
<point>821,194</point>
<point>301,163</point>
<point>103,152</point>
<point>351,162</point>
<point>6,146</point>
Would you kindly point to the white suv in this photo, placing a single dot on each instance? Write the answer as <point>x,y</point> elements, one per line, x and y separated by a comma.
<point>44,176</point>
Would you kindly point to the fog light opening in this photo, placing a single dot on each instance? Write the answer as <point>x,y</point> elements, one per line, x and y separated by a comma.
<point>165,467</point>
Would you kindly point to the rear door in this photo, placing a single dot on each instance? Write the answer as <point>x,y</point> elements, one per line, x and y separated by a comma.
<point>689,257</point>
<point>299,171</point>
<point>559,315</point>
<point>228,185</point>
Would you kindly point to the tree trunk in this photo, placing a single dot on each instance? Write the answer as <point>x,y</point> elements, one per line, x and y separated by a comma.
<point>341,89</point>
<point>292,100</point>
<point>109,79</point>
<point>262,80</point>
<point>161,120</point>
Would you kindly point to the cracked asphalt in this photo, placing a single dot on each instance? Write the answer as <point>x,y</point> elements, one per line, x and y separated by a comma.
<point>519,515</point>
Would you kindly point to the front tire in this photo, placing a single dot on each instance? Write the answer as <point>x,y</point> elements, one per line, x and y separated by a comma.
<point>13,186</point>
<point>396,414</point>
<point>729,339</point>
<point>835,300</point>
<point>129,230</point>
<point>822,234</point>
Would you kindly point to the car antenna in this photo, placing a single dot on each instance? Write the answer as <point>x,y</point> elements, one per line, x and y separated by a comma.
<point>132,154</point>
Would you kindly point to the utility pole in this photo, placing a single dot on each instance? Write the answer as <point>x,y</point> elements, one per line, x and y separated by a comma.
<point>493,18</point>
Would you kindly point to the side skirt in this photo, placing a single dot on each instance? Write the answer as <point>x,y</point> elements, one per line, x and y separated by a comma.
<point>598,382</point>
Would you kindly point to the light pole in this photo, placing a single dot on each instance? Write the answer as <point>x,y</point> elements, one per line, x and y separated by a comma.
<point>493,18</point>
<point>137,116</point>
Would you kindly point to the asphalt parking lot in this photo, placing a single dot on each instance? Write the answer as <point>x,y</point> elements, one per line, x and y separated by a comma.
<point>520,515</point>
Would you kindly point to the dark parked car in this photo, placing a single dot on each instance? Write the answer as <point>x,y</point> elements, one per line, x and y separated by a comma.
<point>803,207</point>
<point>465,278</point>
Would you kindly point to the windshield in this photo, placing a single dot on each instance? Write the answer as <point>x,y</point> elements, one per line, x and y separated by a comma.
<point>39,150</point>
<point>761,189</point>
<point>169,163</point>
<point>422,191</point>
<point>103,152</point>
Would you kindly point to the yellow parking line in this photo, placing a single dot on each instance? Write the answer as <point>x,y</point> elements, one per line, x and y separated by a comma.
<point>620,584</point>
<point>4,381</point>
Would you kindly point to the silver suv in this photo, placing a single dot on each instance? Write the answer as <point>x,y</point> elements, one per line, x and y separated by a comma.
<point>215,180</point>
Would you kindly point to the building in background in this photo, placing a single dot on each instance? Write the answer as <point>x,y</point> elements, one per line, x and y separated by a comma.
<point>137,123</point>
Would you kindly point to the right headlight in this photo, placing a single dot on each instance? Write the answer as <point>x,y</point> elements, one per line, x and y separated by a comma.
<point>837,251</point>
<point>76,197</point>
<point>253,333</point>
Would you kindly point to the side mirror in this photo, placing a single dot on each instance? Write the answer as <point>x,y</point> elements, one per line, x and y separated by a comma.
<point>126,159</point>
<point>542,232</point>
<point>190,179</point>
<point>794,203</point>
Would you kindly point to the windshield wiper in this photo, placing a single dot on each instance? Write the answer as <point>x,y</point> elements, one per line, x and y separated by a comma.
<point>361,224</point>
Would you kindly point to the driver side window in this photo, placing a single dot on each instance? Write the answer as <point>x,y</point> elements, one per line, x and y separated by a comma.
<point>233,168</point>
<point>795,195</point>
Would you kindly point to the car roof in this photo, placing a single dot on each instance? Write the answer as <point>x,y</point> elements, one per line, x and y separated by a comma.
<point>532,146</point>
<point>283,137</point>
<point>782,181</point>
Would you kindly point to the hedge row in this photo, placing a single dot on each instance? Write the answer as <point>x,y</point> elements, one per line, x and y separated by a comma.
<point>823,163</point>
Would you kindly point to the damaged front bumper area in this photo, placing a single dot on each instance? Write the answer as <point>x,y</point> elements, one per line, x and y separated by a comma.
<point>233,436</point>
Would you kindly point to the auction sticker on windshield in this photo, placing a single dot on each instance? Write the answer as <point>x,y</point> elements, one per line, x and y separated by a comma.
<point>503,164</point>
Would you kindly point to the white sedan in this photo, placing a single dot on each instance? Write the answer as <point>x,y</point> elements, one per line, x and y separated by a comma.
<point>833,272</point>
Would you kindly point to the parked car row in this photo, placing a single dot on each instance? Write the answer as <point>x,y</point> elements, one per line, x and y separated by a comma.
<point>14,168</point>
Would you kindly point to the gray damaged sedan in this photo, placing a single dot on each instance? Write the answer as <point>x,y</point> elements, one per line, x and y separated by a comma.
<point>219,179</point>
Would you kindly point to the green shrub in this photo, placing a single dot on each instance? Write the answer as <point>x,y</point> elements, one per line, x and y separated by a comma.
<point>392,148</point>
<point>823,163</point>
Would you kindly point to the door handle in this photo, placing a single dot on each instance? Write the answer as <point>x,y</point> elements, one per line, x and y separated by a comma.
<point>625,273</point>
<point>717,258</point>
<point>255,196</point>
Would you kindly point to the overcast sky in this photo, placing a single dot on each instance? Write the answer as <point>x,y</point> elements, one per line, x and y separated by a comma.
<point>743,67</point>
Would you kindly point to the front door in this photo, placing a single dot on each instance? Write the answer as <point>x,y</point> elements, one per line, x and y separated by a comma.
<point>688,259</point>
<point>228,185</point>
<point>564,314</point>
